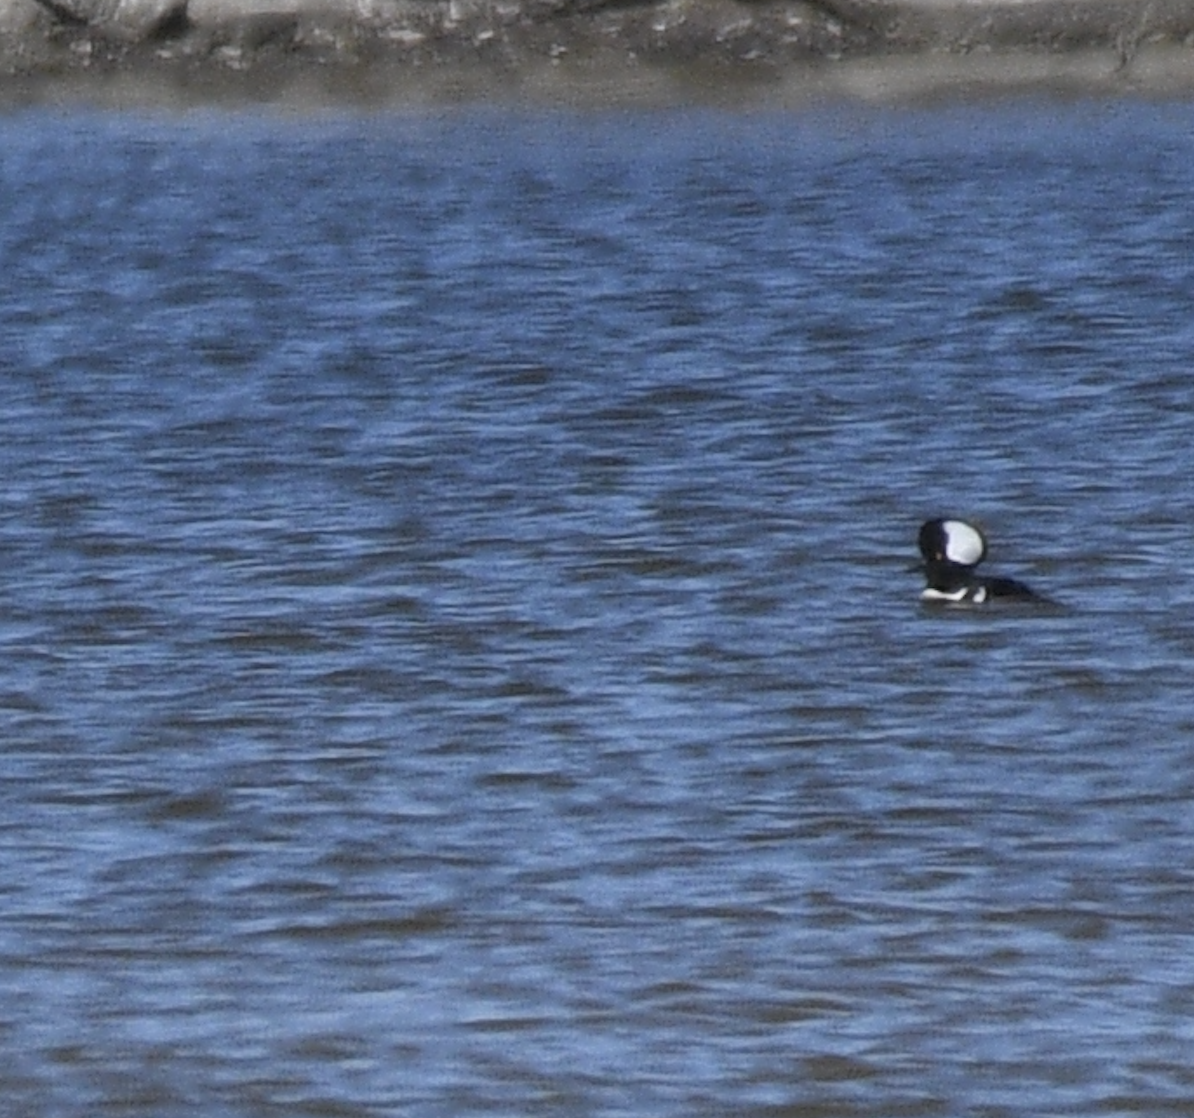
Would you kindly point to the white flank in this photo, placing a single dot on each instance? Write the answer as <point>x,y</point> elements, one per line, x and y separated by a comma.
<point>931,595</point>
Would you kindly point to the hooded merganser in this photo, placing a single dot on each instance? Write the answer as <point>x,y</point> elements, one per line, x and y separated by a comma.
<point>952,549</point>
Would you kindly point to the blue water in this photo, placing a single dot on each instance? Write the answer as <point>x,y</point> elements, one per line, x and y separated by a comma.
<point>457,652</point>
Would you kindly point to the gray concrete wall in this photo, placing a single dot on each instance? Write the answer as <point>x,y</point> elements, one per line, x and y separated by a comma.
<point>758,39</point>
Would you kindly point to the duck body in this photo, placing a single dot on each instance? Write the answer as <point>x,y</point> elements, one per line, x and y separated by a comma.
<point>952,550</point>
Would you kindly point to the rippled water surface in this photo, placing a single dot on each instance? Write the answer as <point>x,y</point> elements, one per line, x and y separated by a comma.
<point>457,652</point>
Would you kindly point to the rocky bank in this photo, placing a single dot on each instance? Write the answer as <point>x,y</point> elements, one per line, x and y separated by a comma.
<point>460,48</point>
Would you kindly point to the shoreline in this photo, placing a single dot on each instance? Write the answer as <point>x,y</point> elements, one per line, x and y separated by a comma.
<point>426,54</point>
<point>891,81</point>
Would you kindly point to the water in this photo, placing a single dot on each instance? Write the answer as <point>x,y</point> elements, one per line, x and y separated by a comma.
<point>457,655</point>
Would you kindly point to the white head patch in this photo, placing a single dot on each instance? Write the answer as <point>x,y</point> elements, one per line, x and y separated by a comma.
<point>964,543</point>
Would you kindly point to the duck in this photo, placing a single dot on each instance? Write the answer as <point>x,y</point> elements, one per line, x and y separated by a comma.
<point>952,549</point>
